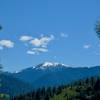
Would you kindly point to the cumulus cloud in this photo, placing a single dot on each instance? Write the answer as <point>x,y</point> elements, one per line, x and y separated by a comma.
<point>38,45</point>
<point>37,51</point>
<point>42,42</point>
<point>6,44</point>
<point>26,38</point>
<point>87,46</point>
<point>64,35</point>
<point>40,49</point>
<point>30,52</point>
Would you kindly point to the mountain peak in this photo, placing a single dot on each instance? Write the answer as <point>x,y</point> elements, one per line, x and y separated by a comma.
<point>45,64</point>
<point>49,65</point>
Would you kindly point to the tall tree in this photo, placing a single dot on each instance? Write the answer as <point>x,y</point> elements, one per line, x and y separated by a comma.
<point>0,59</point>
<point>0,27</point>
<point>97,28</point>
<point>0,65</point>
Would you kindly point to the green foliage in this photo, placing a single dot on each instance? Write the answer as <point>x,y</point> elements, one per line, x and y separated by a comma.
<point>40,94</point>
<point>4,96</point>
<point>87,89</point>
<point>13,86</point>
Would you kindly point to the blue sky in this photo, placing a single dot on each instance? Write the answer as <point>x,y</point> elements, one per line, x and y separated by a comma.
<point>35,31</point>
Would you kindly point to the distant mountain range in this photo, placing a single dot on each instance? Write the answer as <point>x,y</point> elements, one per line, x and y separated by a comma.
<point>45,75</point>
<point>54,74</point>
<point>13,86</point>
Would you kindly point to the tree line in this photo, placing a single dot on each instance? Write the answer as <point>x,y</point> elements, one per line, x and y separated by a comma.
<point>87,89</point>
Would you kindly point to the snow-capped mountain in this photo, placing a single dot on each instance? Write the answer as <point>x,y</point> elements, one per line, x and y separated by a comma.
<point>43,70</point>
<point>53,74</point>
<point>50,65</point>
<point>45,75</point>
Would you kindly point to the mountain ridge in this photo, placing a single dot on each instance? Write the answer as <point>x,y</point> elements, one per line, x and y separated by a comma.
<point>52,74</point>
<point>50,65</point>
<point>48,75</point>
<point>13,86</point>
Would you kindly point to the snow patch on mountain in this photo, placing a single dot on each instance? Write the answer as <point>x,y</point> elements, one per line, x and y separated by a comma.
<point>45,66</point>
<point>48,65</point>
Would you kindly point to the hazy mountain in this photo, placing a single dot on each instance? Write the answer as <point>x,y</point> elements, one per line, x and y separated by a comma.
<point>13,86</point>
<point>85,89</point>
<point>54,74</point>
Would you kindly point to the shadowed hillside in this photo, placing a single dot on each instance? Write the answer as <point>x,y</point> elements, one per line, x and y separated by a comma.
<point>86,89</point>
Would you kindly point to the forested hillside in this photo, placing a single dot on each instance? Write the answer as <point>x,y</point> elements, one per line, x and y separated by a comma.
<point>86,89</point>
<point>4,96</point>
<point>10,86</point>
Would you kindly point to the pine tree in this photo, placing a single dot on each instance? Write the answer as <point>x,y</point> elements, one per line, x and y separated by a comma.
<point>47,97</point>
<point>97,28</point>
<point>43,91</point>
<point>97,85</point>
<point>0,27</point>
<point>38,95</point>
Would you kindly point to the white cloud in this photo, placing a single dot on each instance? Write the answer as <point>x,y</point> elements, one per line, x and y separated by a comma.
<point>37,51</point>
<point>26,38</point>
<point>64,35</point>
<point>30,52</point>
<point>38,45</point>
<point>42,42</point>
<point>87,46</point>
<point>40,49</point>
<point>6,44</point>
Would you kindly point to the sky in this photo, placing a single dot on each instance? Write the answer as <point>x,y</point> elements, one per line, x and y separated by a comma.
<point>35,31</point>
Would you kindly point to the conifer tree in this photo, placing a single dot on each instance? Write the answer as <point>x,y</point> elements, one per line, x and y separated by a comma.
<point>97,28</point>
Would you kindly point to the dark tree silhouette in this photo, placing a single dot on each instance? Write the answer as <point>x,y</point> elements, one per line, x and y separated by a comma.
<point>0,59</point>
<point>97,28</point>
<point>47,97</point>
<point>97,85</point>
<point>0,27</point>
<point>0,66</point>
